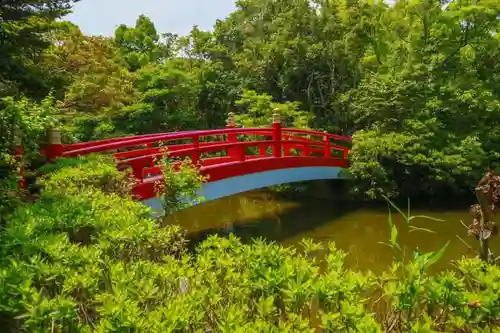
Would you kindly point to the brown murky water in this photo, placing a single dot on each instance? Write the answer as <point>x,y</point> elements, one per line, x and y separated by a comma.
<point>356,231</point>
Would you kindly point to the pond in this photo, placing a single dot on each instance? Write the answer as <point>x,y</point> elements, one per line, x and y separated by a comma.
<point>357,231</point>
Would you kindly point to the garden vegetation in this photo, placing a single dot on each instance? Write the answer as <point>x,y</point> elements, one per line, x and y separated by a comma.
<point>416,83</point>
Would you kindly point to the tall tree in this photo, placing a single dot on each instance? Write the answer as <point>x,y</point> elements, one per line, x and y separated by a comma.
<point>142,44</point>
<point>428,112</point>
<point>23,28</point>
<point>96,82</point>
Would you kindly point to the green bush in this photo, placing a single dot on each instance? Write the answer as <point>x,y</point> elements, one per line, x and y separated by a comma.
<point>95,171</point>
<point>10,192</point>
<point>179,188</point>
<point>84,260</point>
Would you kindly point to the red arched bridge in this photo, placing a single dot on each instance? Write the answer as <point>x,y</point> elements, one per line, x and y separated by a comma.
<point>234,159</point>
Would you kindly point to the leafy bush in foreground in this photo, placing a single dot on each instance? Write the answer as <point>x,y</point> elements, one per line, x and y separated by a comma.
<point>95,171</point>
<point>89,261</point>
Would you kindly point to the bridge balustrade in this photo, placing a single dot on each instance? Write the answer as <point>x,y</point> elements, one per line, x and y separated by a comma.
<point>219,153</point>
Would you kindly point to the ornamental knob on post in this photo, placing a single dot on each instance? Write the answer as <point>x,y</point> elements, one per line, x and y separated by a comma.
<point>55,148</point>
<point>276,116</point>
<point>276,133</point>
<point>231,137</point>
<point>327,148</point>
<point>230,120</point>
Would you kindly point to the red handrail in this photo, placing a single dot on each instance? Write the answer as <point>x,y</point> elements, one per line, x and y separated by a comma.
<point>162,138</point>
<point>187,152</point>
<point>282,141</point>
<point>318,133</point>
<point>152,150</point>
<point>80,145</point>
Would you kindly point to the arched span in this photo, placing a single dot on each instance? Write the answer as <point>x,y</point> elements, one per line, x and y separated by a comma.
<point>239,184</point>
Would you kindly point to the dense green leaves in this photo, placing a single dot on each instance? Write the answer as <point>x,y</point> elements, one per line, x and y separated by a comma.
<point>426,113</point>
<point>81,260</point>
<point>23,28</point>
<point>141,45</point>
<point>416,81</point>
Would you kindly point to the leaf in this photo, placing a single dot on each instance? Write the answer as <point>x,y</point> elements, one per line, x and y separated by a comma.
<point>425,217</point>
<point>396,207</point>
<point>384,243</point>
<point>434,257</point>
<point>394,237</point>
<point>413,228</point>
<point>389,219</point>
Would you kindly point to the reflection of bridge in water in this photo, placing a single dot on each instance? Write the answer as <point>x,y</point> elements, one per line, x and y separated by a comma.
<point>234,159</point>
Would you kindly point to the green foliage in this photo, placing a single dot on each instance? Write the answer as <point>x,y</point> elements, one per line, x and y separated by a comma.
<point>95,262</point>
<point>429,146</point>
<point>23,28</point>
<point>24,122</point>
<point>95,84</point>
<point>10,193</point>
<point>97,172</point>
<point>180,185</point>
<point>425,112</point>
<point>140,45</point>
<point>168,101</point>
<point>260,109</point>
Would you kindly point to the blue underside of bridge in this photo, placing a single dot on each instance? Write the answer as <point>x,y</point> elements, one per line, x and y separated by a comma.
<point>234,185</point>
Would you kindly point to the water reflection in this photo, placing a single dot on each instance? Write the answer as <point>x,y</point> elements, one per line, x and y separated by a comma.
<point>358,232</point>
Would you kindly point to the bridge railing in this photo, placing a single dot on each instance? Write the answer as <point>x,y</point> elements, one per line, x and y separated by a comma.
<point>141,153</point>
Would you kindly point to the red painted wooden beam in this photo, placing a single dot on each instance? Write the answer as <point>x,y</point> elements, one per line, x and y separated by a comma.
<point>146,189</point>
<point>273,149</point>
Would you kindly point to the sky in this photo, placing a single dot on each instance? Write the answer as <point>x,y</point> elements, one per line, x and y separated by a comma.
<point>102,17</point>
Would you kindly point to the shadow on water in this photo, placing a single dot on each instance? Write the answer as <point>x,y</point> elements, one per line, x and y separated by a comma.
<point>277,226</point>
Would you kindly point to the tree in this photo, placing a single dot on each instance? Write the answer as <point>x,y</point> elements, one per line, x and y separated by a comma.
<point>96,83</point>
<point>23,28</point>
<point>425,113</point>
<point>142,44</point>
<point>168,100</point>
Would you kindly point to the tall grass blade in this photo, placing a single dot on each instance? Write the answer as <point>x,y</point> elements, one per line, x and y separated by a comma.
<point>436,256</point>
<point>396,208</point>
<point>413,228</point>
<point>424,217</point>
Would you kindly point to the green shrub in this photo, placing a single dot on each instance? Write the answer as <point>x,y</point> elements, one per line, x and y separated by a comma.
<point>82,260</point>
<point>10,193</point>
<point>179,188</point>
<point>95,171</point>
<point>96,263</point>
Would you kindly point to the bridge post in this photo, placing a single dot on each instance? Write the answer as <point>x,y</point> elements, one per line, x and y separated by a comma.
<point>276,134</point>
<point>195,157</point>
<point>328,149</point>
<point>54,148</point>
<point>231,137</point>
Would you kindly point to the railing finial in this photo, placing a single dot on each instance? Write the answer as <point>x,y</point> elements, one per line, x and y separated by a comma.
<point>54,136</point>
<point>276,116</point>
<point>54,147</point>
<point>230,120</point>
